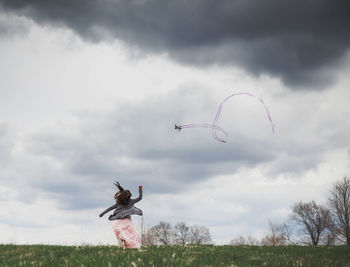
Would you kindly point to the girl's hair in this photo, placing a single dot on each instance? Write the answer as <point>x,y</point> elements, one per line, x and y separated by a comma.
<point>122,197</point>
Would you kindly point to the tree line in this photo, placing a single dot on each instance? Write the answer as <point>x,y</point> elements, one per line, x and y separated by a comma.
<point>181,234</point>
<point>310,223</point>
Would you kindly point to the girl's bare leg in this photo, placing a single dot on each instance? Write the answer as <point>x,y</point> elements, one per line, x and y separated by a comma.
<point>120,243</point>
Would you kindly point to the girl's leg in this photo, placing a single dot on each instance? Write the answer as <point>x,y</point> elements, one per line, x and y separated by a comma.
<point>124,230</point>
<point>120,243</point>
<point>132,238</point>
<point>117,233</point>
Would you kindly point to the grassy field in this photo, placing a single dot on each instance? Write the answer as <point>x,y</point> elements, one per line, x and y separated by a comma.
<point>44,255</point>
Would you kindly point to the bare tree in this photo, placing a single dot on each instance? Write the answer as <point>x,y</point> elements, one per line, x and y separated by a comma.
<point>276,236</point>
<point>149,238</point>
<point>241,241</point>
<point>238,241</point>
<point>330,238</point>
<point>163,233</point>
<point>252,241</point>
<point>289,233</point>
<point>181,233</point>
<point>199,235</point>
<point>314,219</point>
<point>339,205</point>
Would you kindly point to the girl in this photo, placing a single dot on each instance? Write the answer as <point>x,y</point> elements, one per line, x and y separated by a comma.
<point>121,217</point>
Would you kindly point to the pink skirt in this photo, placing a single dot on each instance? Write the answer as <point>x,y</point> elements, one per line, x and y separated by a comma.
<point>124,230</point>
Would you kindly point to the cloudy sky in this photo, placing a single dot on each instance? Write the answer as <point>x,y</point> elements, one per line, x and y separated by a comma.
<point>90,92</point>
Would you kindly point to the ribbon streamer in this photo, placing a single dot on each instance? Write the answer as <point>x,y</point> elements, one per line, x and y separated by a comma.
<point>215,128</point>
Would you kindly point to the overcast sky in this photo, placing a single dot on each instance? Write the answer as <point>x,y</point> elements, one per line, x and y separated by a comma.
<point>90,92</point>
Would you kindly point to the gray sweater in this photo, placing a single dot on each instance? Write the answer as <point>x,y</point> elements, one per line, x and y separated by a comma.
<point>124,211</point>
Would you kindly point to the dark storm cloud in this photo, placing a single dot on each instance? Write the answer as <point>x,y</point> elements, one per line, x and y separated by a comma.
<point>299,41</point>
<point>11,25</point>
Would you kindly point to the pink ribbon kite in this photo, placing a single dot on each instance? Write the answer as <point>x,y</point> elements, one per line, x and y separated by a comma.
<point>215,128</point>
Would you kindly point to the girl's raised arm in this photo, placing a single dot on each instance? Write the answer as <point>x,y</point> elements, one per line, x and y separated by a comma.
<point>108,209</point>
<point>139,197</point>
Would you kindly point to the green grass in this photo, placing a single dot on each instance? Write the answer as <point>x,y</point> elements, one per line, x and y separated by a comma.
<point>45,255</point>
